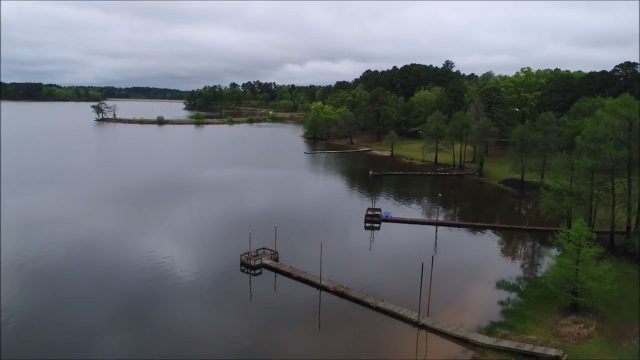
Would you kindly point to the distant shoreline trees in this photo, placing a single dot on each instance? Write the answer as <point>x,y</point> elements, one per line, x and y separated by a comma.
<point>52,92</point>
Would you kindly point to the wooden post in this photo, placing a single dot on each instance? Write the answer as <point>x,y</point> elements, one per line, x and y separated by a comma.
<point>250,290</point>
<point>249,243</point>
<point>420,297</point>
<point>430,279</point>
<point>275,240</point>
<point>320,289</point>
<point>435,244</point>
<point>320,263</point>
<point>319,307</point>
<point>417,337</point>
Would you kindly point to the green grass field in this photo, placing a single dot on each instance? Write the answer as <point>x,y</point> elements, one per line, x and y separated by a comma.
<point>496,167</point>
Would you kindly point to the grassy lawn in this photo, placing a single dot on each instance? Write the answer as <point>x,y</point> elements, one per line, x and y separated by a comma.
<point>496,167</point>
<point>536,312</point>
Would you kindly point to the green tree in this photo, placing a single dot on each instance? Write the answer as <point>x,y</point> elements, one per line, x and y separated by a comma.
<point>391,140</point>
<point>483,131</point>
<point>424,103</point>
<point>522,91</point>
<point>475,115</point>
<point>319,121</point>
<point>381,110</point>
<point>434,130</point>
<point>546,129</point>
<point>459,131</point>
<point>570,127</point>
<point>522,142</point>
<point>621,115</point>
<point>578,269</point>
<point>100,109</point>
<point>345,123</point>
<point>599,144</point>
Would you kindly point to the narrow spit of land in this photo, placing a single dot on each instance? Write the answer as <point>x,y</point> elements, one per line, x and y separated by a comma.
<point>228,121</point>
<point>171,121</point>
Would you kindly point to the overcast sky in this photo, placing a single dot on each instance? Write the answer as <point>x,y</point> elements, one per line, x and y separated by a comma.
<point>188,45</point>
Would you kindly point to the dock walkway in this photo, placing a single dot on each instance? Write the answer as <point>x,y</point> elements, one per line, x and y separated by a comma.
<point>421,173</point>
<point>371,220</point>
<point>269,259</point>
<point>338,151</point>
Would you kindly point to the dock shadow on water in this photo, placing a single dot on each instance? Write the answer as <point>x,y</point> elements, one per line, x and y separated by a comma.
<point>130,246</point>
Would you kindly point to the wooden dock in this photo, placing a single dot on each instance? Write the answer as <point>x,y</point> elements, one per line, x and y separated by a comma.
<point>421,173</point>
<point>375,219</point>
<point>269,259</point>
<point>338,151</point>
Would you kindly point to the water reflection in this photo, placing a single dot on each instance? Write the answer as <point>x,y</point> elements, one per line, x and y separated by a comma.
<point>455,198</point>
<point>130,247</point>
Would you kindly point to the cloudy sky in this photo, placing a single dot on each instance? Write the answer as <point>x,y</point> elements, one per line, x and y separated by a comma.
<point>187,45</point>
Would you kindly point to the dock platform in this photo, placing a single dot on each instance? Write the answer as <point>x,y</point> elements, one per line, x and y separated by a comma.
<point>269,259</point>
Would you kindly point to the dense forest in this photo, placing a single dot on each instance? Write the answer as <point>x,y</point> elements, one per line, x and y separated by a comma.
<point>576,132</point>
<point>51,92</point>
<point>400,99</point>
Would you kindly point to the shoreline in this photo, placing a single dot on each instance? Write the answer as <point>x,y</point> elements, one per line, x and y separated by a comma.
<point>153,100</point>
<point>229,121</point>
<point>428,163</point>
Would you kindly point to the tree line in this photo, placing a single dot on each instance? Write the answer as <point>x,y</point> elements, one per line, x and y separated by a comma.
<point>256,93</point>
<point>577,132</point>
<point>52,92</point>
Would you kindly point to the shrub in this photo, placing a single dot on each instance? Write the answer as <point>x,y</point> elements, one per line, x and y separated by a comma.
<point>229,121</point>
<point>198,116</point>
<point>251,120</point>
<point>273,117</point>
<point>160,119</point>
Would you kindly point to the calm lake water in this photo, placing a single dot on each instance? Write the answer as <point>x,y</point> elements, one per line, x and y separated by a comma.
<point>124,241</point>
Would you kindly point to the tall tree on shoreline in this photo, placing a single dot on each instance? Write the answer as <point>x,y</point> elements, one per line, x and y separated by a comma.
<point>546,128</point>
<point>381,107</point>
<point>482,133</point>
<point>579,268</point>
<point>599,141</point>
<point>522,142</point>
<point>435,130</point>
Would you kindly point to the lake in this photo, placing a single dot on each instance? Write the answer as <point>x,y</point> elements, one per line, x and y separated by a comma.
<point>124,241</point>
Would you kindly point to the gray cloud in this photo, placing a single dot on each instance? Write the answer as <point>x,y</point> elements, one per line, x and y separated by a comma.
<point>187,45</point>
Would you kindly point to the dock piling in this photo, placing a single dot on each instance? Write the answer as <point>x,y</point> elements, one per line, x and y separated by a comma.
<point>420,296</point>
<point>430,279</point>
<point>320,263</point>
